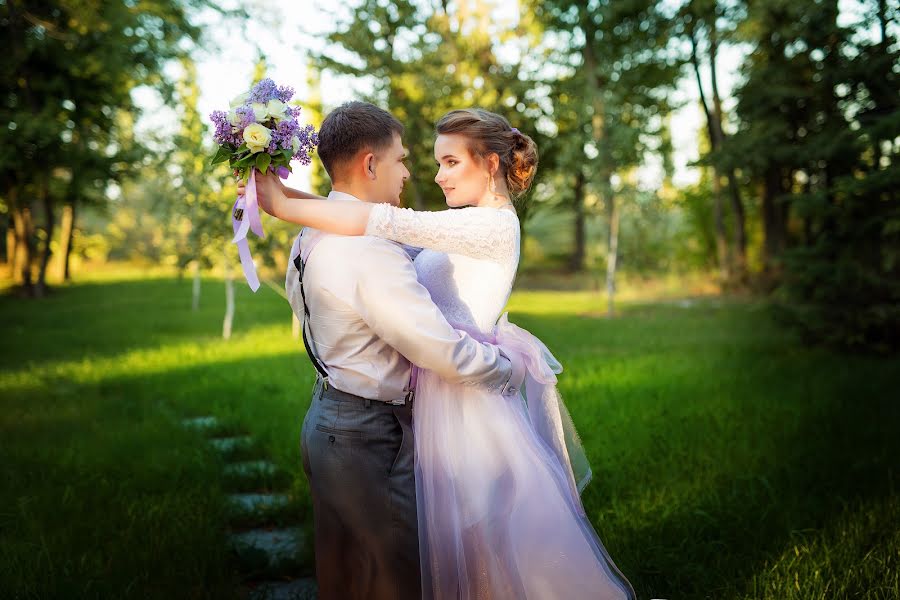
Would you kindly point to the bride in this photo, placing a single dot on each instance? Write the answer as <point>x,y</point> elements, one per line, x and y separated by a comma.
<point>498,479</point>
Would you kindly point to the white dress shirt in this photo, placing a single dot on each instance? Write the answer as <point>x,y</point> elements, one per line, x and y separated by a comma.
<point>370,317</point>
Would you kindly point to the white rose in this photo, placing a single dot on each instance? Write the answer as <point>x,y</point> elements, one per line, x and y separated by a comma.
<point>277,109</point>
<point>233,117</point>
<point>239,100</point>
<point>257,137</point>
<point>259,111</point>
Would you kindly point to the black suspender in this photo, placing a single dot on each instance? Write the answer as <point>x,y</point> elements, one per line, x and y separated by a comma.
<point>298,262</point>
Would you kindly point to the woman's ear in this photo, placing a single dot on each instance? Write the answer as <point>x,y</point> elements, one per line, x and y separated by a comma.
<point>493,161</point>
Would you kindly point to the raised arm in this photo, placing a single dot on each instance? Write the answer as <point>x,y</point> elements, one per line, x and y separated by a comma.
<point>310,210</point>
<point>485,233</point>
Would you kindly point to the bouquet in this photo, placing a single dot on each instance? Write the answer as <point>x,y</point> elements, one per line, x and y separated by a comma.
<point>260,132</point>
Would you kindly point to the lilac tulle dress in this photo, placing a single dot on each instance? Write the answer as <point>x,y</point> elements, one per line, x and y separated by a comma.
<point>498,478</point>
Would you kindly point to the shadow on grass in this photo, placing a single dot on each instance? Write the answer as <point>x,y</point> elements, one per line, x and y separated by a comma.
<point>107,495</point>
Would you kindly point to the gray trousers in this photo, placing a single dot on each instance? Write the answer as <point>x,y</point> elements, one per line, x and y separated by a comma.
<point>358,457</point>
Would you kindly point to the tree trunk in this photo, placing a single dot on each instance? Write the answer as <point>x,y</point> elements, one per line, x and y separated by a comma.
<point>718,215</point>
<point>576,262</point>
<point>295,326</point>
<point>66,233</point>
<point>773,227</point>
<point>229,300</point>
<point>739,257</point>
<point>47,201</point>
<point>612,254</point>
<point>24,228</point>
<point>721,239</point>
<point>606,167</point>
<point>11,247</point>
<point>195,292</point>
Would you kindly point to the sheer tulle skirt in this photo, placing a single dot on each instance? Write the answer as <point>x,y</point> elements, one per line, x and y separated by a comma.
<point>498,515</point>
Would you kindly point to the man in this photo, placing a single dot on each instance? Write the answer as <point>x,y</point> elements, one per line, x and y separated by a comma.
<point>366,318</point>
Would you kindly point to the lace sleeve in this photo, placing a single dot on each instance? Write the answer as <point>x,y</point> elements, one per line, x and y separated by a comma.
<point>486,233</point>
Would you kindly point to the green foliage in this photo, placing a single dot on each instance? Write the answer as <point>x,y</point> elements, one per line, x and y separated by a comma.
<point>818,131</point>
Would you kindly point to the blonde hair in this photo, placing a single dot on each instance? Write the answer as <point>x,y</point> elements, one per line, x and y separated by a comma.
<point>488,133</point>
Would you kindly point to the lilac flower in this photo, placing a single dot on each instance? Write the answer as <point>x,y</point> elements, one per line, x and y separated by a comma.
<point>266,90</point>
<point>223,134</point>
<point>246,116</point>
<point>263,91</point>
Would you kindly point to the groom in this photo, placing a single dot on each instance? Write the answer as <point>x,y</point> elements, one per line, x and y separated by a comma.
<point>365,320</point>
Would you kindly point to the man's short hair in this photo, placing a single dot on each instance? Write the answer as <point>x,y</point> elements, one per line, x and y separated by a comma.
<point>352,127</point>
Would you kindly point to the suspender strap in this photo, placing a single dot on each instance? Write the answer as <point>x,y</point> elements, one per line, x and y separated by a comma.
<point>299,263</point>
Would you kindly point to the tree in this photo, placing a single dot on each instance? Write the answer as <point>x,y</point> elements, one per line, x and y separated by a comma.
<point>623,68</point>
<point>66,94</point>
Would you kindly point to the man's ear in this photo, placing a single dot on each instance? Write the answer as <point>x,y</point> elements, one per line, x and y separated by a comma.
<point>369,161</point>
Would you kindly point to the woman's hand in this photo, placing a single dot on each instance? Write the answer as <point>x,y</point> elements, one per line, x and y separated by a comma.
<point>269,193</point>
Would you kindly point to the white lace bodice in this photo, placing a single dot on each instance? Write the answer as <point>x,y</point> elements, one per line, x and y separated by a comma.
<point>469,257</point>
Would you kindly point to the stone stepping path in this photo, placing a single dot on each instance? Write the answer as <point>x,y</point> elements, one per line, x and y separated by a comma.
<point>201,423</point>
<point>231,445</point>
<point>298,589</point>
<point>272,550</point>
<point>250,468</point>
<point>269,548</point>
<point>255,503</point>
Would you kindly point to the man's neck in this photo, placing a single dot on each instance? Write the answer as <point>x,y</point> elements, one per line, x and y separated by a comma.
<point>355,189</point>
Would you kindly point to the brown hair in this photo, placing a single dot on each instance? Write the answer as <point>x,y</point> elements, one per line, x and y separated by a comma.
<point>488,133</point>
<point>352,127</point>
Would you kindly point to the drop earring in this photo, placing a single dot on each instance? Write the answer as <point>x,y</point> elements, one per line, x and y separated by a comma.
<point>492,187</point>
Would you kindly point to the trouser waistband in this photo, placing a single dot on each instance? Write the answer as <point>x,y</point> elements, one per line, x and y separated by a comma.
<point>332,393</point>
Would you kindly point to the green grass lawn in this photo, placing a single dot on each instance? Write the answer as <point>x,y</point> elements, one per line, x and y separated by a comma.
<point>729,461</point>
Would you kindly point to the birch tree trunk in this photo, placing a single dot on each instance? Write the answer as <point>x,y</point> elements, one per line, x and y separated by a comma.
<point>612,255</point>
<point>229,300</point>
<point>607,168</point>
<point>295,326</point>
<point>576,262</point>
<point>67,228</point>
<point>195,292</point>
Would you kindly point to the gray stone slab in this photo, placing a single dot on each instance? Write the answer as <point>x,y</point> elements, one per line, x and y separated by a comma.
<point>246,468</point>
<point>299,589</point>
<point>252,503</point>
<point>229,444</point>
<point>272,546</point>
<point>200,422</point>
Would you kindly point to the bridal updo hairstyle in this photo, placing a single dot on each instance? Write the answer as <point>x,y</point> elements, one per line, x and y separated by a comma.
<point>488,133</point>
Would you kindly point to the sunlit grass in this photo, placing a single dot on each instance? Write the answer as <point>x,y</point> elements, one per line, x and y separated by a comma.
<point>729,461</point>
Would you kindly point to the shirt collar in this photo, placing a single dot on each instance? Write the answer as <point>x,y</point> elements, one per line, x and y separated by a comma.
<point>335,195</point>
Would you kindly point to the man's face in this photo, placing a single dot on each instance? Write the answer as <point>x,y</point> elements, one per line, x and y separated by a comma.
<point>390,172</point>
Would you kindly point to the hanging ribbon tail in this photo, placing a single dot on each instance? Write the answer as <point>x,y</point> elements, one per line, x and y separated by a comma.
<point>546,410</point>
<point>252,207</point>
<point>240,238</point>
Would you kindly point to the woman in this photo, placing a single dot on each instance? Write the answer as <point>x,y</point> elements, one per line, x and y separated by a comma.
<point>497,480</point>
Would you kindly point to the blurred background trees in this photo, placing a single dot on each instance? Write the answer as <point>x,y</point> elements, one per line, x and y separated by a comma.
<point>796,187</point>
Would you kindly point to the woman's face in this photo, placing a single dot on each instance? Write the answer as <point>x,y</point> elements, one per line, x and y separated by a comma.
<point>463,178</point>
